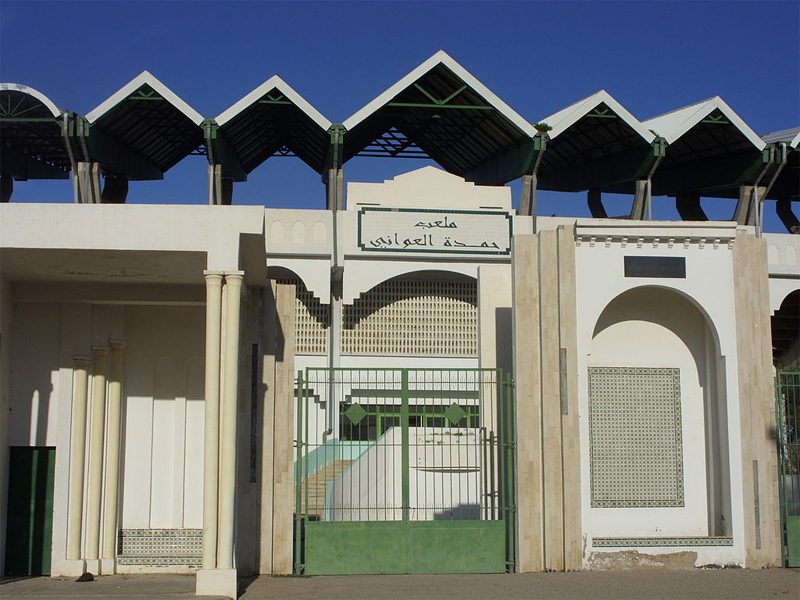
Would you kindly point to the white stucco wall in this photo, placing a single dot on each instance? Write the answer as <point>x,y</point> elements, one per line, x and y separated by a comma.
<point>164,416</point>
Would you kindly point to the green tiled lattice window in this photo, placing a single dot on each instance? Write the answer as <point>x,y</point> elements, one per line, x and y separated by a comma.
<point>635,437</point>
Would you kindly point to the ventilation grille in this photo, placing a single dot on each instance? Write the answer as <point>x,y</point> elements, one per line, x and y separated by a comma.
<point>428,318</point>
<point>311,320</point>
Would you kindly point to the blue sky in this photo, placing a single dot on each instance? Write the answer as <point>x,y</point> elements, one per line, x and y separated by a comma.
<point>539,57</point>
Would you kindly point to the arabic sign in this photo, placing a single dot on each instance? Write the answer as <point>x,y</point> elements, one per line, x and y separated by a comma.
<point>417,230</point>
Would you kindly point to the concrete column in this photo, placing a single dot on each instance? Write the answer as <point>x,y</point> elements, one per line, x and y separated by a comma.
<point>77,457</point>
<point>211,444</point>
<point>112,457</point>
<point>641,200</point>
<point>97,432</point>
<point>227,483</point>
<point>594,198</point>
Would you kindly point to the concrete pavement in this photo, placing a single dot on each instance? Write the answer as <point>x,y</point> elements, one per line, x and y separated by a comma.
<point>699,584</point>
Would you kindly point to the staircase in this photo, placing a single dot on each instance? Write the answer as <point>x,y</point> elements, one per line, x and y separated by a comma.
<point>317,484</point>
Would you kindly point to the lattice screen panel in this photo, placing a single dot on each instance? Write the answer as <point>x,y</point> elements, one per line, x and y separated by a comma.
<point>428,318</point>
<point>635,437</point>
<point>311,320</point>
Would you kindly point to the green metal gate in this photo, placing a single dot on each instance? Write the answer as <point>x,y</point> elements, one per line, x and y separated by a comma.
<point>404,471</point>
<point>787,387</point>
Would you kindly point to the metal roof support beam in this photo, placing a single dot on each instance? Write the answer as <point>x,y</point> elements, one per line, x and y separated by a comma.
<point>784,209</point>
<point>595,200</point>
<point>115,190</point>
<point>333,176</point>
<point>6,187</point>
<point>640,200</point>
<point>530,177</point>
<point>220,151</point>
<point>688,206</point>
<point>643,198</point>
<point>114,155</point>
<point>220,189</point>
<point>747,207</point>
<point>88,183</point>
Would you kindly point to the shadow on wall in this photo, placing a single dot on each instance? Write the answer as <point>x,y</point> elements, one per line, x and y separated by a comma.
<point>460,512</point>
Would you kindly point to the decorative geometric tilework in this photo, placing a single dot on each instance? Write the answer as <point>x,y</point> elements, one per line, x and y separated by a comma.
<point>661,542</point>
<point>417,318</point>
<point>635,437</point>
<point>161,547</point>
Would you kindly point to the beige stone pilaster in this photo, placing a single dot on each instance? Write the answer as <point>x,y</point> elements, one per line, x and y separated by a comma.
<point>227,480</point>
<point>96,441</point>
<point>568,389</point>
<point>77,456</point>
<point>756,402</point>
<point>113,458</point>
<point>527,396</point>
<point>211,440</point>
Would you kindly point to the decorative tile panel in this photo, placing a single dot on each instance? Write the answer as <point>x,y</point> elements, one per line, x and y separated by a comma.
<point>661,542</point>
<point>635,437</point>
<point>161,547</point>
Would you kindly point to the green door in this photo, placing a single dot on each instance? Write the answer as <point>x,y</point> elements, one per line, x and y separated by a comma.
<point>404,471</point>
<point>29,531</point>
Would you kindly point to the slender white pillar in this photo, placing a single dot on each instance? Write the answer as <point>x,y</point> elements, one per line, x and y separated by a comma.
<point>97,432</point>
<point>227,483</point>
<point>112,452</point>
<point>77,457</point>
<point>211,443</point>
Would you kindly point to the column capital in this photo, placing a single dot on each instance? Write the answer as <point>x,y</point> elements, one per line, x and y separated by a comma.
<point>82,360</point>
<point>213,277</point>
<point>234,277</point>
<point>99,351</point>
<point>116,345</point>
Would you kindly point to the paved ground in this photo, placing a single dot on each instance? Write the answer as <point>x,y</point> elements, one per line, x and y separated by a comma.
<point>723,584</point>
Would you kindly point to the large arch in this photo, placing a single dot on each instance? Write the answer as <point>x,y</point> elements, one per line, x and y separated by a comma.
<point>664,464</point>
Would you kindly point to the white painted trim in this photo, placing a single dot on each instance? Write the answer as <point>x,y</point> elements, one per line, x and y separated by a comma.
<point>145,77</point>
<point>565,118</point>
<point>443,58</point>
<point>18,87</point>
<point>274,82</point>
<point>673,125</point>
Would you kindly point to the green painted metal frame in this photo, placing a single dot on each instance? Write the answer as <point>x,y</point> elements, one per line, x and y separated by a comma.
<point>787,411</point>
<point>485,545</point>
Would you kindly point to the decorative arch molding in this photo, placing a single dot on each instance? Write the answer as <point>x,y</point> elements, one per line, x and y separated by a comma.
<point>315,275</point>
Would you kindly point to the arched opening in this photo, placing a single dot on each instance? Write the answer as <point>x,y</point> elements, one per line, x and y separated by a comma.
<point>657,420</point>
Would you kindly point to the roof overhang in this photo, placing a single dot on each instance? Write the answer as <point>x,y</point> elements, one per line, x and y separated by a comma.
<point>271,120</point>
<point>595,143</point>
<point>440,111</point>
<point>31,129</point>
<point>142,130</point>
<point>711,151</point>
